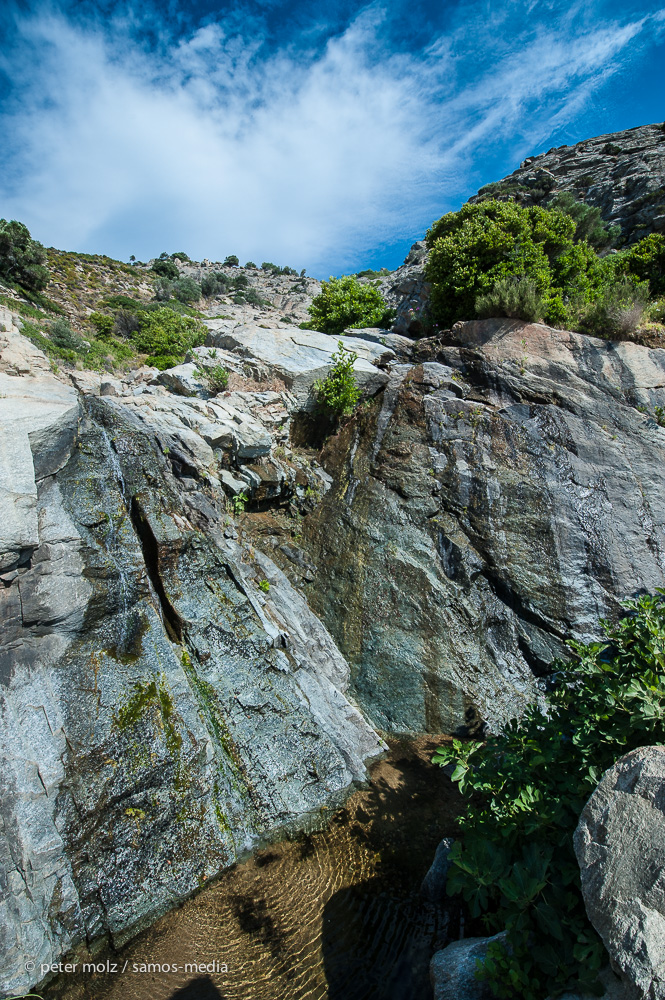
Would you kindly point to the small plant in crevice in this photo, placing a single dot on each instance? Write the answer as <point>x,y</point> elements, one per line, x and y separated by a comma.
<point>264,585</point>
<point>240,502</point>
<point>526,786</point>
<point>215,376</point>
<point>338,392</point>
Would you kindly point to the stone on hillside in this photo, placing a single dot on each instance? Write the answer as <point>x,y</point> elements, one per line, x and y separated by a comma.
<point>452,970</point>
<point>401,346</point>
<point>301,357</point>
<point>183,379</point>
<point>620,847</point>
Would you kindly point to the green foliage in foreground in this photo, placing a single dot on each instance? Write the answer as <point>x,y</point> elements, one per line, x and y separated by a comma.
<point>515,865</point>
<point>338,392</point>
<point>646,261</point>
<point>345,302</point>
<point>22,259</point>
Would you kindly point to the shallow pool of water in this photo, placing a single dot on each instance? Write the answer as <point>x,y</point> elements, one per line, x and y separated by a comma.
<point>335,914</point>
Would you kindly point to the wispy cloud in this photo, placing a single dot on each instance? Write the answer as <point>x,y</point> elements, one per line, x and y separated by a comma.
<point>308,154</point>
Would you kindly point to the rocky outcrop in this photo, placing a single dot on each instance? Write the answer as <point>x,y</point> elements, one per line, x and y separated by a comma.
<point>622,174</point>
<point>620,847</point>
<point>453,970</point>
<point>167,699</point>
<point>504,494</point>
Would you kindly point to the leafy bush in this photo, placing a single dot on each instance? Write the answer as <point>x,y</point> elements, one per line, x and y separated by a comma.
<point>589,224</point>
<point>102,323</point>
<point>22,259</point>
<point>472,249</point>
<point>250,263</point>
<point>525,788</point>
<point>254,299</point>
<point>345,302</point>
<point>515,297</point>
<point>186,290</point>
<point>276,269</point>
<point>618,309</point>
<point>166,269</point>
<point>215,284</point>
<point>231,260</point>
<point>241,281</point>
<point>216,377</point>
<point>62,335</point>
<point>180,255</point>
<point>338,392</point>
<point>165,336</point>
<point>646,260</point>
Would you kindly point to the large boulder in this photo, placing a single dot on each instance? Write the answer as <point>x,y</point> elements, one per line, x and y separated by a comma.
<point>299,358</point>
<point>620,847</point>
<point>505,493</point>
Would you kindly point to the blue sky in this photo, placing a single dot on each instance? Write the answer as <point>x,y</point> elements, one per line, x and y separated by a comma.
<point>275,131</point>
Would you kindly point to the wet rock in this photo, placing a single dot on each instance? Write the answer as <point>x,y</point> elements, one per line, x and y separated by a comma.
<point>433,885</point>
<point>161,715</point>
<point>620,847</point>
<point>452,970</point>
<point>493,503</point>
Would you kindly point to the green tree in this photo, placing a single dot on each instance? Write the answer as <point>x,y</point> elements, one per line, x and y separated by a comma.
<point>22,259</point>
<point>589,224</point>
<point>646,260</point>
<point>471,250</point>
<point>166,269</point>
<point>231,260</point>
<point>346,302</point>
<point>525,788</point>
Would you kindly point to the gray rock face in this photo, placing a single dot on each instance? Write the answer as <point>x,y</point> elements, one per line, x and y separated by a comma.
<point>620,847</point>
<point>160,714</point>
<point>299,357</point>
<point>622,174</point>
<point>506,493</point>
<point>452,970</point>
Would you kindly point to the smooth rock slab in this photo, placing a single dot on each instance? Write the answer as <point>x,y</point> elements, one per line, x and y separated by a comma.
<point>620,847</point>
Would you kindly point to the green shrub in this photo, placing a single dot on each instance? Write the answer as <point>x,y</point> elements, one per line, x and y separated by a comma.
<point>345,302</point>
<point>180,255</point>
<point>186,290</point>
<point>338,392</point>
<point>166,269</point>
<point>231,261</point>
<point>254,299</point>
<point>22,259</point>
<point>472,249</point>
<point>617,310</point>
<point>646,260</point>
<point>525,788</point>
<point>215,284</point>
<point>165,336</point>
<point>102,323</point>
<point>241,281</point>
<point>62,335</point>
<point>589,224</point>
<point>515,297</point>
<point>250,263</point>
<point>216,377</point>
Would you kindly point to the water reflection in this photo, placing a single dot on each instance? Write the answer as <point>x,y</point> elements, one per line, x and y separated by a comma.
<point>335,914</point>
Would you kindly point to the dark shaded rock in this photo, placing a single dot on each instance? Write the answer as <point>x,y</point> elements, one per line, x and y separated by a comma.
<point>620,847</point>
<point>452,970</point>
<point>433,886</point>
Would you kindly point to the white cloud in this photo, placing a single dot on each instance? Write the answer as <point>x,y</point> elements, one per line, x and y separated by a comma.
<point>215,145</point>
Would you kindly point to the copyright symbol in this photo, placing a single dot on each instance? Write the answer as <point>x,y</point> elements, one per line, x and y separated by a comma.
<point>29,966</point>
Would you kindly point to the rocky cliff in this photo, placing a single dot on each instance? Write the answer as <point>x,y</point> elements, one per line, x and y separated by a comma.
<point>622,174</point>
